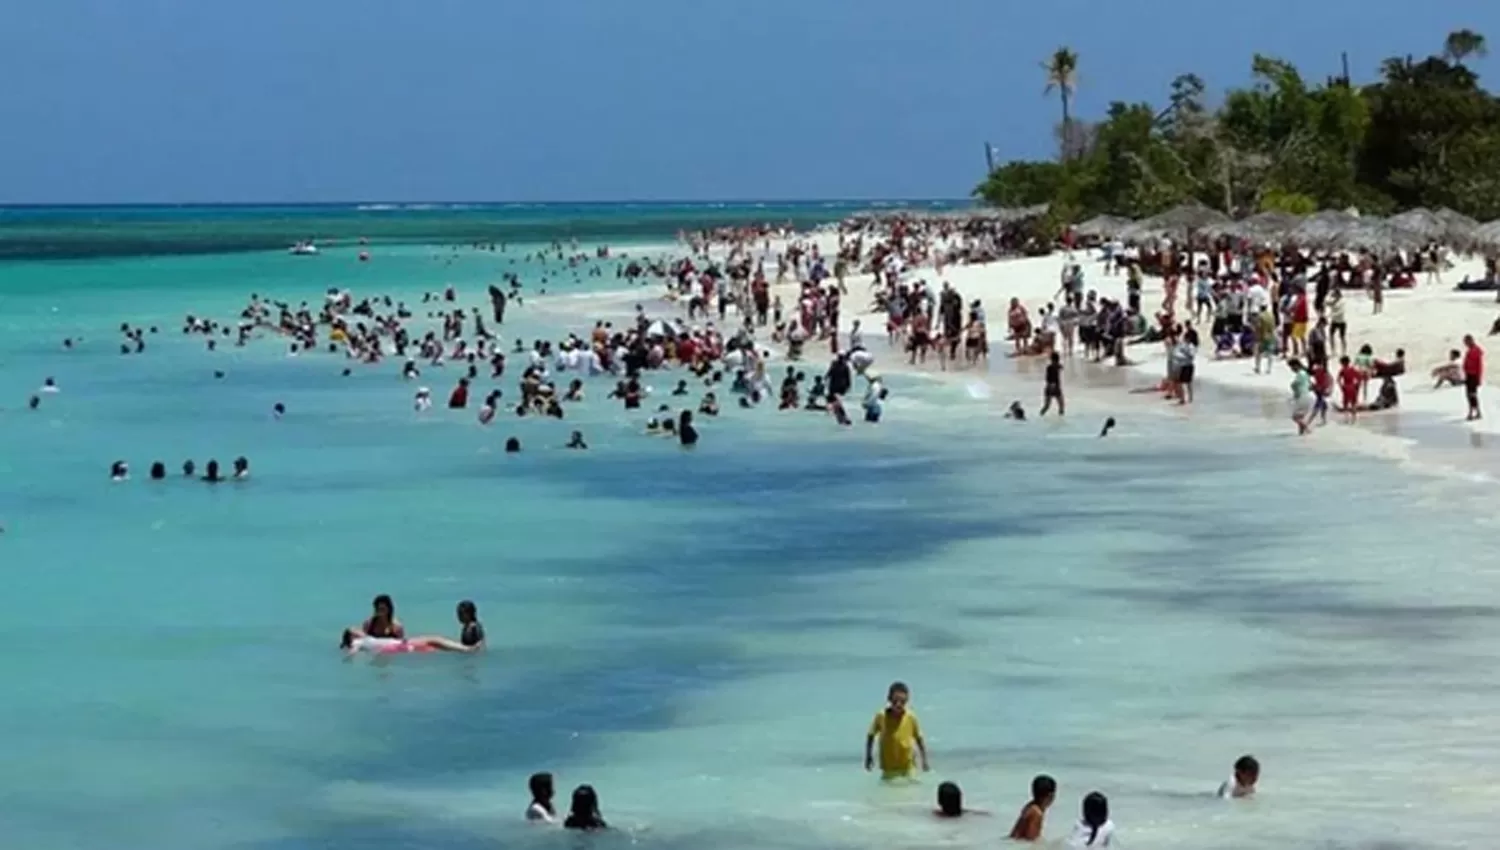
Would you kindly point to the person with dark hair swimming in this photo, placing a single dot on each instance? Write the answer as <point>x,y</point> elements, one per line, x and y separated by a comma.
<point>950,802</point>
<point>686,433</point>
<point>1109,425</point>
<point>584,812</point>
<point>541,809</point>
<point>1095,829</point>
<point>1242,784</point>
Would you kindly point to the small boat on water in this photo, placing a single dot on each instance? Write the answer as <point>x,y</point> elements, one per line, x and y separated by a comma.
<point>303,249</point>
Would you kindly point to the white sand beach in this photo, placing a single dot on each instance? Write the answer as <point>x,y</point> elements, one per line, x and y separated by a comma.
<point>1427,322</point>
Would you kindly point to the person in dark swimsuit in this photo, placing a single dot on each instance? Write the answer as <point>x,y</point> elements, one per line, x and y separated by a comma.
<point>471,631</point>
<point>1052,388</point>
<point>383,622</point>
<point>686,433</point>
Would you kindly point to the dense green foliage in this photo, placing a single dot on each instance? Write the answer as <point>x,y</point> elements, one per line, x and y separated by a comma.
<point>1425,134</point>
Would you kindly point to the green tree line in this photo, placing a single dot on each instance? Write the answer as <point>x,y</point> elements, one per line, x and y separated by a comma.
<point>1426,133</point>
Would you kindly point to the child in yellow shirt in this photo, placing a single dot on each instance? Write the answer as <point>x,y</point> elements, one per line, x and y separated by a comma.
<point>900,737</point>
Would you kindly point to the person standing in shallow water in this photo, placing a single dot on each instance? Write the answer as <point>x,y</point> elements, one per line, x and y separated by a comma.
<point>1034,814</point>
<point>899,734</point>
<point>1052,386</point>
<point>1473,369</point>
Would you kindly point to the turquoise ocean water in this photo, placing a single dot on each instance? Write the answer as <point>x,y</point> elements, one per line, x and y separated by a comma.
<point>703,636</point>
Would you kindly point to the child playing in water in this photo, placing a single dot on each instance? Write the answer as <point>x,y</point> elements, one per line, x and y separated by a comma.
<point>1029,824</point>
<point>950,802</point>
<point>900,736</point>
<point>1246,774</point>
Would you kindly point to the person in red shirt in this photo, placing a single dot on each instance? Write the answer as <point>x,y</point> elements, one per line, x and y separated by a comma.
<point>459,398</point>
<point>1350,380</point>
<point>1473,375</point>
<point>1322,387</point>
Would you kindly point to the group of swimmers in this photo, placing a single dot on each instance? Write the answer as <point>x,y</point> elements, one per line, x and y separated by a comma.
<point>896,736</point>
<point>382,634</point>
<point>120,471</point>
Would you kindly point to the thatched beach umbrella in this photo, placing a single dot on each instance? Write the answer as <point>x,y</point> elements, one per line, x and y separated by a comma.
<point>1462,231</point>
<point>1321,228</point>
<point>1181,221</point>
<point>1487,236</point>
<point>1103,226</point>
<point>1269,226</point>
<point>1377,236</point>
<point>1421,222</point>
<point>1457,222</point>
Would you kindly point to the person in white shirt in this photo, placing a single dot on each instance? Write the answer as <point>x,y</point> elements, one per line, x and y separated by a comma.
<point>541,809</point>
<point>1256,299</point>
<point>1242,784</point>
<point>1095,829</point>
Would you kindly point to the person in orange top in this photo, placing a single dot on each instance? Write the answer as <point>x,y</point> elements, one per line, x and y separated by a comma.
<point>1473,375</point>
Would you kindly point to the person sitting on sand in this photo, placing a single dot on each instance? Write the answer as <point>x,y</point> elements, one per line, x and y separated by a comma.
<point>1386,398</point>
<point>1449,374</point>
<point>1033,815</point>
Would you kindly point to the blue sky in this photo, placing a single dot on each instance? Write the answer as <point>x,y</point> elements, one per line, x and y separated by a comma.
<point>115,101</point>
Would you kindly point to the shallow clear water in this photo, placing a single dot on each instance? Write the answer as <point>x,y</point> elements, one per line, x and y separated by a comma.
<point>703,636</point>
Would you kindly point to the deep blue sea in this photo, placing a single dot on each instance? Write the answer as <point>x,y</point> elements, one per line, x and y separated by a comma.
<point>703,636</point>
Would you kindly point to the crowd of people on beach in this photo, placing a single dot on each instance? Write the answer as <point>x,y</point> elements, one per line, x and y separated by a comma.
<point>1266,305</point>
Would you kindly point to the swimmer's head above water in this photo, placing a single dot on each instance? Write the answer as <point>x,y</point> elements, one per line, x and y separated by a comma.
<point>950,800</point>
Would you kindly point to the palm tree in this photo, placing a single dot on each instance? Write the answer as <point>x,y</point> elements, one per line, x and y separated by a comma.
<point>1062,77</point>
<point>1461,44</point>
